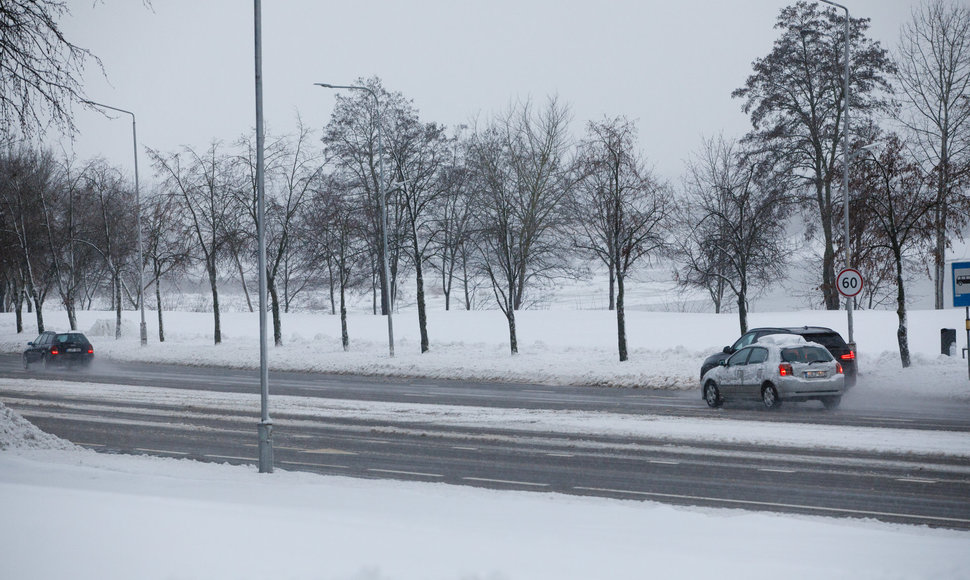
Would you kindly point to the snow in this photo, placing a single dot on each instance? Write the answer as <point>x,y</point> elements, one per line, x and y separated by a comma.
<point>73,513</point>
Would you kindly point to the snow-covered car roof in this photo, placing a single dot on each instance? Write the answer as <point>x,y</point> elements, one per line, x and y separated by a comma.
<point>784,340</point>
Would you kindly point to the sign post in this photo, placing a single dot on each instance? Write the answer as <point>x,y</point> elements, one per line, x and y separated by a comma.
<point>849,284</point>
<point>961,296</point>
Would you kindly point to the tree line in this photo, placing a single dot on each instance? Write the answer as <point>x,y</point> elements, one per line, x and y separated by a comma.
<point>508,205</point>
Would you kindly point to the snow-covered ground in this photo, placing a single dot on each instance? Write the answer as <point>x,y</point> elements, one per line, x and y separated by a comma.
<point>71,513</point>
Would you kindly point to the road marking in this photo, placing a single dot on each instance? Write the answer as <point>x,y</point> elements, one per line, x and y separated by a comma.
<point>466,448</point>
<point>485,479</point>
<point>91,444</point>
<point>304,464</point>
<point>246,459</point>
<point>664,461</point>
<point>560,455</point>
<point>160,451</point>
<point>769,470</point>
<point>419,395</point>
<point>329,451</point>
<point>415,473</point>
<point>774,505</point>
<point>915,480</point>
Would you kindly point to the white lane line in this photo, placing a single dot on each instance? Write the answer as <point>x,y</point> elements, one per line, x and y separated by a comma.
<point>415,473</point>
<point>424,395</point>
<point>304,464</point>
<point>915,480</point>
<point>505,481</point>
<point>465,448</point>
<point>664,461</point>
<point>769,470</point>
<point>160,451</point>
<point>246,459</point>
<point>773,504</point>
<point>326,451</point>
<point>560,455</point>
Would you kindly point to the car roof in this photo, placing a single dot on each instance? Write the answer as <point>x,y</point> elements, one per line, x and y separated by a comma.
<point>794,329</point>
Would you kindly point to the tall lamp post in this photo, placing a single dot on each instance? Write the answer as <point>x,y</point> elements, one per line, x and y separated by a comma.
<point>845,168</point>
<point>141,262</point>
<point>381,207</point>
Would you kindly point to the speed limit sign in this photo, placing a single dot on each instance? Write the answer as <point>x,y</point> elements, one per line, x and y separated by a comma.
<point>849,282</point>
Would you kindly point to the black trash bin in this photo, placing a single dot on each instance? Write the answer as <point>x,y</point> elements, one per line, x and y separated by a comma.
<point>948,338</point>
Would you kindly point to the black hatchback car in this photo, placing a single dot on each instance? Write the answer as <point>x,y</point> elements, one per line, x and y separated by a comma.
<point>59,349</point>
<point>827,337</point>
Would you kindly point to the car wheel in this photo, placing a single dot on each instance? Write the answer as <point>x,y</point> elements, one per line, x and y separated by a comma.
<point>769,396</point>
<point>712,395</point>
<point>832,402</point>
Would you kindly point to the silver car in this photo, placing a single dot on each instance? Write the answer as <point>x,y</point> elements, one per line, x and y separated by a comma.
<point>776,368</point>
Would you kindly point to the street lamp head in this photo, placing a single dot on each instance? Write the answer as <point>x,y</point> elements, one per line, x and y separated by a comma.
<point>324,85</point>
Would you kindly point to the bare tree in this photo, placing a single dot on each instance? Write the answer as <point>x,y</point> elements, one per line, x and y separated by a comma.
<point>418,151</point>
<point>40,69</point>
<point>166,249</point>
<point>934,74</point>
<point>621,210</point>
<point>522,180</point>
<point>453,224</point>
<point>796,99</point>
<point>23,173</point>
<point>734,222</point>
<point>900,201</point>
<point>203,186</point>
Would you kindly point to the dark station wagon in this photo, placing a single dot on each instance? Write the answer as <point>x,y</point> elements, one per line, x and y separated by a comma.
<point>67,349</point>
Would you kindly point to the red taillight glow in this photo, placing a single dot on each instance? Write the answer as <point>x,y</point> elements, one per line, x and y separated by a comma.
<point>90,350</point>
<point>849,356</point>
<point>785,370</point>
<point>838,368</point>
<point>55,351</point>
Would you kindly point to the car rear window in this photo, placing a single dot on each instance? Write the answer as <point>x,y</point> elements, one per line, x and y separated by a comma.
<point>805,354</point>
<point>829,340</point>
<point>71,337</point>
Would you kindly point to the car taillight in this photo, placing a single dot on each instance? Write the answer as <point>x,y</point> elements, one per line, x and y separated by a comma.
<point>848,356</point>
<point>90,350</point>
<point>785,370</point>
<point>55,351</point>
<point>838,368</point>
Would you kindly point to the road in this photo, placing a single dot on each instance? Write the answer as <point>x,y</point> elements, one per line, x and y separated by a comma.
<point>894,487</point>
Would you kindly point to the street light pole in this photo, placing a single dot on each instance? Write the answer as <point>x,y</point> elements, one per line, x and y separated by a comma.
<point>265,426</point>
<point>143,328</point>
<point>381,208</point>
<point>845,169</point>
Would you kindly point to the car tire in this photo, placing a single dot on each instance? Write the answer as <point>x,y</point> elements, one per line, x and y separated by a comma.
<point>769,396</point>
<point>712,395</point>
<point>832,402</point>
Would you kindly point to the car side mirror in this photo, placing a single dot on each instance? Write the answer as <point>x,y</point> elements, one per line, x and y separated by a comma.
<point>727,350</point>
<point>30,344</point>
<point>722,362</point>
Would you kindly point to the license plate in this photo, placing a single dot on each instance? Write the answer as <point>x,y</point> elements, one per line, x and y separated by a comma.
<point>814,374</point>
<point>73,350</point>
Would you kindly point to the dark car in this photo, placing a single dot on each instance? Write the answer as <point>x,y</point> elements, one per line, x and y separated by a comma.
<point>59,349</point>
<point>827,337</point>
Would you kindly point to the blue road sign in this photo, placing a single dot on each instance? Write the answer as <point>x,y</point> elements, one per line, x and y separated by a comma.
<point>961,284</point>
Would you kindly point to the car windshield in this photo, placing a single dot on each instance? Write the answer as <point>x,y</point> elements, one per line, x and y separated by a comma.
<point>805,354</point>
<point>71,337</point>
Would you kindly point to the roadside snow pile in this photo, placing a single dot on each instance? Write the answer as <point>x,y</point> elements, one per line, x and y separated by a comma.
<point>19,433</point>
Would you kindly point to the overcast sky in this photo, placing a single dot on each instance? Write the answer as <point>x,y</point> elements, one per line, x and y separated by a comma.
<point>186,67</point>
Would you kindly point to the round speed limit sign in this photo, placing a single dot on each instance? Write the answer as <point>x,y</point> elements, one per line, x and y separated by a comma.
<point>849,282</point>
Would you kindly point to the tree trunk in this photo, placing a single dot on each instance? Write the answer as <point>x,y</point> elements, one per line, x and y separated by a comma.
<point>743,307</point>
<point>612,286</point>
<point>116,282</point>
<point>344,335</point>
<point>158,307</point>
<point>422,312</point>
<point>902,332</point>
<point>19,310</point>
<point>513,340</point>
<point>275,305</point>
<point>620,318</point>
<point>71,312</point>
<point>939,255</point>
<point>242,278</point>
<point>213,284</point>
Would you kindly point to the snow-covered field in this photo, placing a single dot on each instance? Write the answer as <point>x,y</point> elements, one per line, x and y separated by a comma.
<point>71,513</point>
